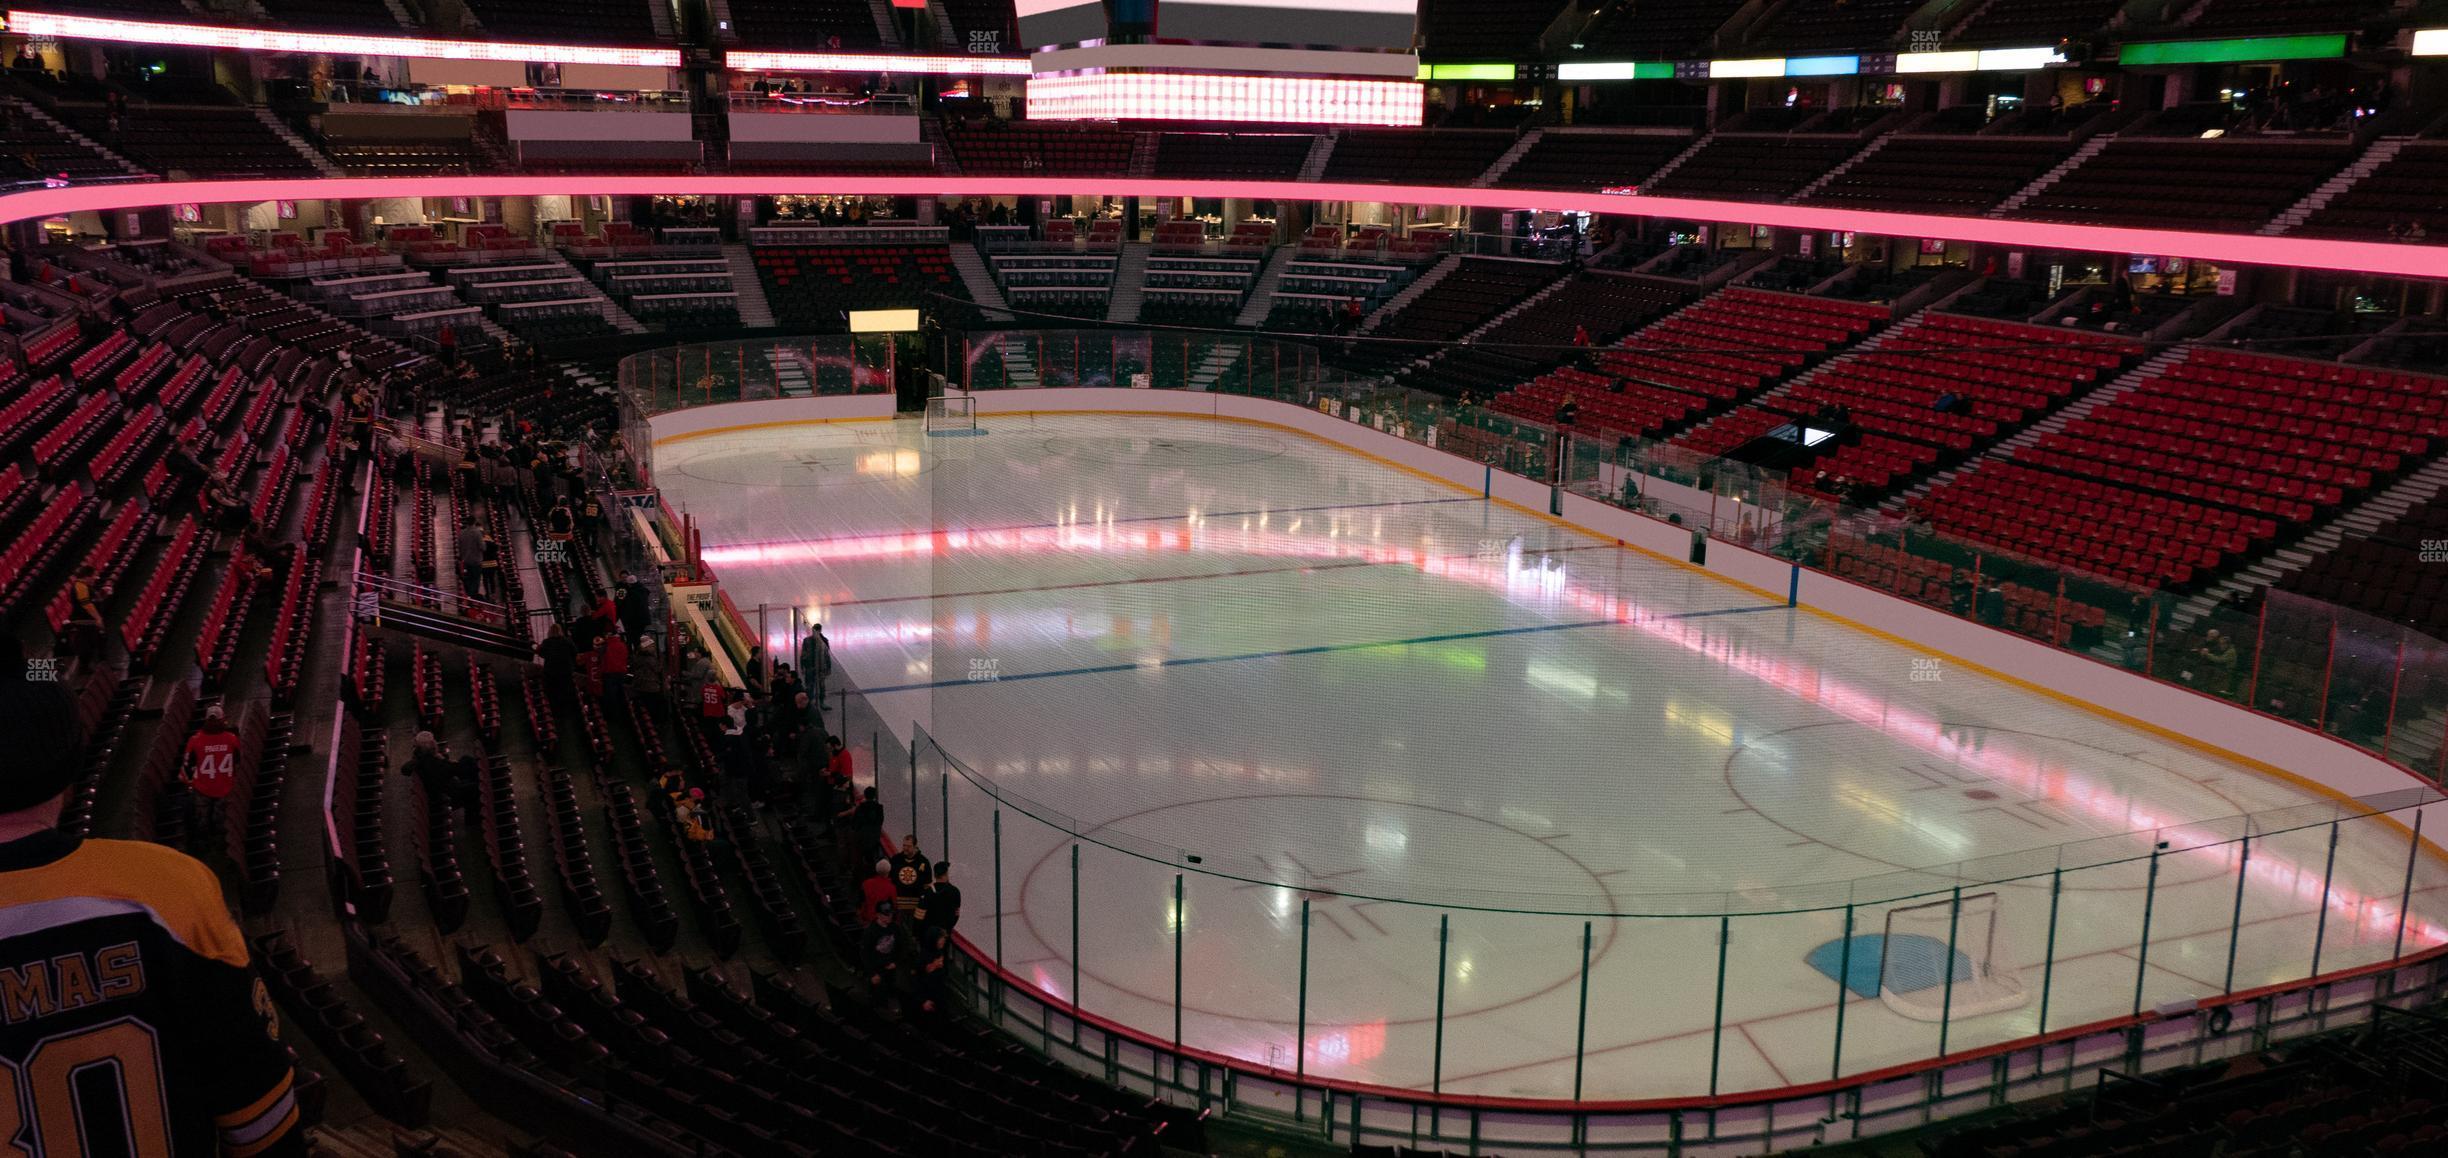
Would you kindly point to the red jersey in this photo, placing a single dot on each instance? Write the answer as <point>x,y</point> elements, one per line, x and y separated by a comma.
<point>615,656</point>
<point>839,766</point>
<point>711,702</point>
<point>212,762</point>
<point>875,893</point>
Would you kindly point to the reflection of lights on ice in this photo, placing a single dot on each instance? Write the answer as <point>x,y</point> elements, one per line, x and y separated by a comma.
<point>2033,774</point>
<point>1359,1043</point>
<point>1544,575</point>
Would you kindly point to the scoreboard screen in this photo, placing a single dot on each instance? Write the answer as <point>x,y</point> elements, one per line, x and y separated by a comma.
<point>1378,25</point>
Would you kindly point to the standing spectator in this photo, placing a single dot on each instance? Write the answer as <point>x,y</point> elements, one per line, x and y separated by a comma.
<point>591,518</point>
<point>879,955</point>
<point>560,668</point>
<point>2218,653</point>
<point>942,905</point>
<point>912,875</point>
<point>488,567</point>
<point>209,774</point>
<point>469,545</point>
<point>929,981</point>
<point>612,659</point>
<point>816,661</point>
<point>837,769</point>
<point>647,678</point>
<point>862,828</point>
<point>713,711</point>
<point>876,890</point>
<point>633,606</point>
<point>560,523</point>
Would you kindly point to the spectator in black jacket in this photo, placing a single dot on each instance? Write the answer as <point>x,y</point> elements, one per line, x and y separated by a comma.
<point>560,668</point>
<point>880,954</point>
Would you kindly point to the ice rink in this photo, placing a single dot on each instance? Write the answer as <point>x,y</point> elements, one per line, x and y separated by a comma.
<point>1353,692</point>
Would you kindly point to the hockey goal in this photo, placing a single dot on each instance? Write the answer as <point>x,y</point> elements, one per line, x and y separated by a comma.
<point>1939,961</point>
<point>952,414</point>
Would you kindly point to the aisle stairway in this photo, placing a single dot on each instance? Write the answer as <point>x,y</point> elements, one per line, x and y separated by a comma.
<point>1129,284</point>
<point>1262,292</point>
<point>981,283</point>
<point>755,312</point>
<point>2362,519</point>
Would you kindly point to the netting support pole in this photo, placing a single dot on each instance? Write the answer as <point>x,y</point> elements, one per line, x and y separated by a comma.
<point>2388,730</point>
<point>913,776</point>
<point>2405,896</point>
<point>2048,960</point>
<point>1844,977</point>
<point>2320,718</point>
<point>2252,689</point>
<point>1300,1024</point>
<point>1725,937</point>
<point>1581,1019</point>
<point>943,781</point>
<point>2150,896</point>
<point>1436,1072</point>
<point>1077,1004</point>
<point>998,888</point>
<point>2320,926</point>
<point>1946,997</point>
<point>1181,921</point>
<point>2235,919</point>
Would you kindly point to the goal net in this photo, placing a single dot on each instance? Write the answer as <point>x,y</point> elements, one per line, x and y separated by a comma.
<point>1939,961</point>
<point>951,414</point>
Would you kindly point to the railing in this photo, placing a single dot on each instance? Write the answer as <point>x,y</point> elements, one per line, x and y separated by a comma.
<point>883,104</point>
<point>679,377</point>
<point>1656,1021</point>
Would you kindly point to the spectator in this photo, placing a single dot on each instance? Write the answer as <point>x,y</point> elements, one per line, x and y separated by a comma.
<point>488,567</point>
<point>2218,654</point>
<point>876,891</point>
<point>713,711</point>
<point>912,875</point>
<point>942,905</point>
<point>690,815</point>
<point>816,661</point>
<point>671,787</point>
<point>631,599</point>
<point>444,789</point>
<point>837,768</point>
<point>647,678</point>
<point>879,952</point>
<point>862,828</point>
<point>208,774</point>
<point>612,660</point>
<point>85,595</point>
<point>469,544</point>
<point>560,658</point>
<point>929,981</point>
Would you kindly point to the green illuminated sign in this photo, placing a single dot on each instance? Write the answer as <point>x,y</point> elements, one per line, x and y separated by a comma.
<point>1466,72</point>
<point>2328,47</point>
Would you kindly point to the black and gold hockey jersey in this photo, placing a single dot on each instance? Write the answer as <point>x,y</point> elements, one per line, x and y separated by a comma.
<point>130,1023</point>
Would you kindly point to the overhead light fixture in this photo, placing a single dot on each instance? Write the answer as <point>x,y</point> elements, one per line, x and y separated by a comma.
<point>47,24</point>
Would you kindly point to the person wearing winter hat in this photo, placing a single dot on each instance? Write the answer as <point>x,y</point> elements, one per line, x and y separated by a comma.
<point>142,933</point>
